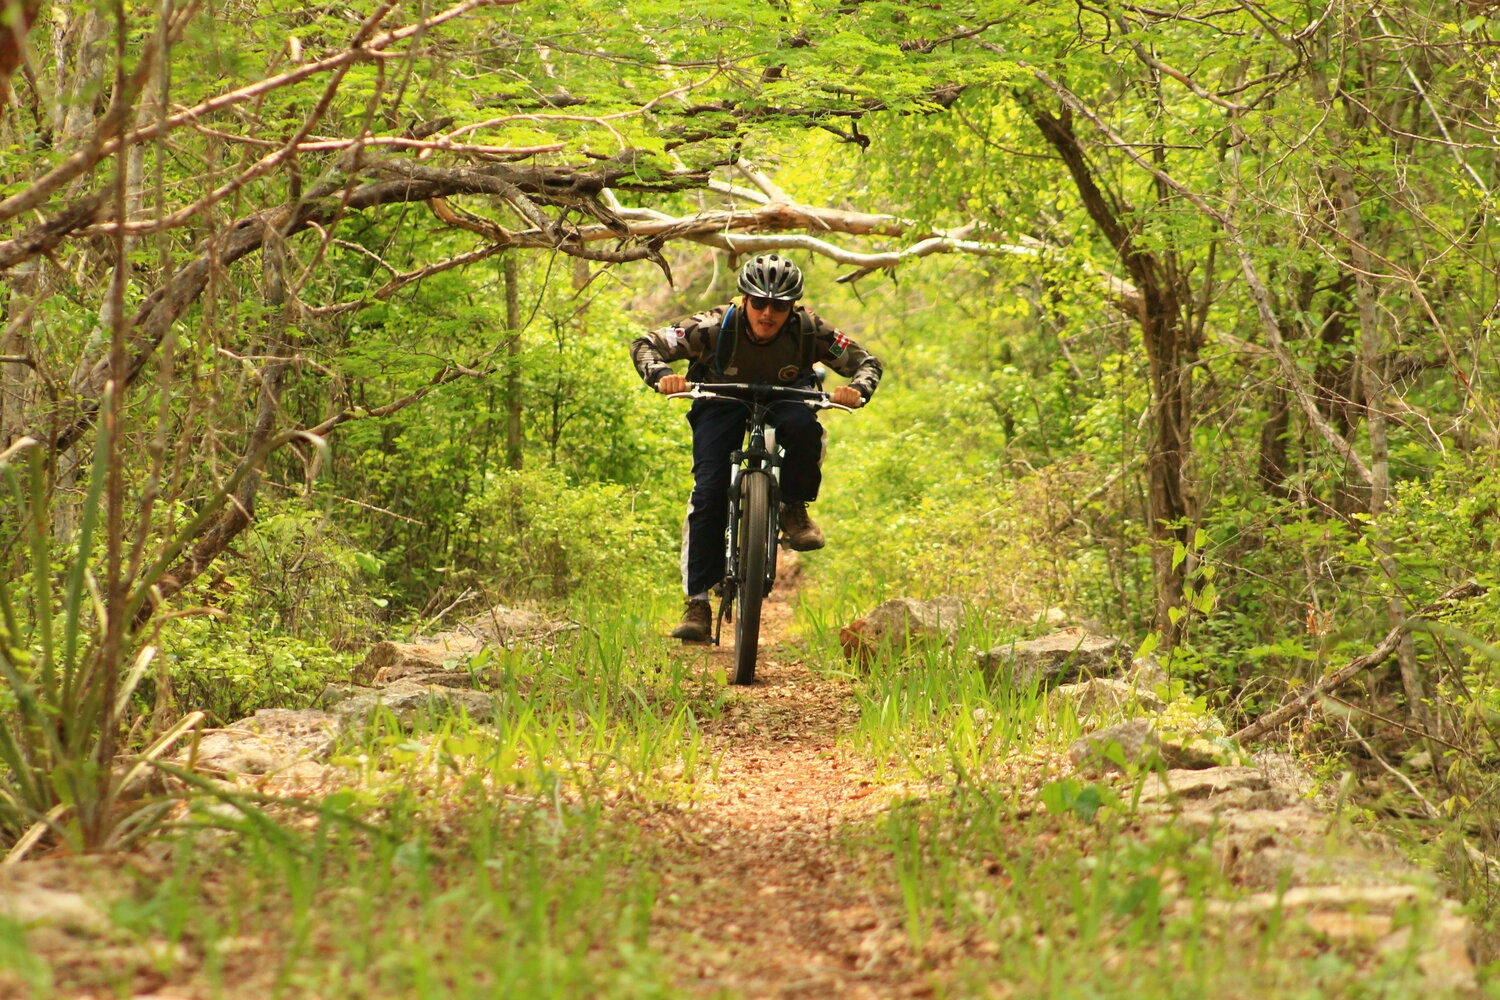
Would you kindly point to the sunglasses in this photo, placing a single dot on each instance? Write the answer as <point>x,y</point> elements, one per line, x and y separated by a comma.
<point>775,305</point>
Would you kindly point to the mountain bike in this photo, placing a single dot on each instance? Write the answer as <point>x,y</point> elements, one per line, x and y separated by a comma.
<point>754,512</point>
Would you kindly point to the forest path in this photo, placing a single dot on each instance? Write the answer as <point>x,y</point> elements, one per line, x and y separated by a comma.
<point>761,896</point>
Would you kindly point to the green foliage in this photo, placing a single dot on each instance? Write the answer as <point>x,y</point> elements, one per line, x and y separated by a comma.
<point>981,468</point>
<point>1007,458</point>
<point>229,671</point>
<point>1068,795</point>
<point>437,479</point>
<point>300,574</point>
<point>532,535</point>
<point>68,693</point>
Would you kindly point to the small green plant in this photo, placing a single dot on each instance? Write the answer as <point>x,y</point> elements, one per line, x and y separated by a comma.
<point>1069,795</point>
<point>71,678</point>
<point>228,670</point>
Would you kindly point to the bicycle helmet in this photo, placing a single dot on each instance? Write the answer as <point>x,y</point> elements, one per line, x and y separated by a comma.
<point>772,277</point>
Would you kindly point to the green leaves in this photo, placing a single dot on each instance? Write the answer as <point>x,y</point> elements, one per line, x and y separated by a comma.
<point>1070,796</point>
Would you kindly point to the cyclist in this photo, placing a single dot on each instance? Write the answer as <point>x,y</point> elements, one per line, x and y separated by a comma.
<point>764,338</point>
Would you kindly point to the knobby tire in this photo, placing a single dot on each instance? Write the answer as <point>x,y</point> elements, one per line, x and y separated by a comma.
<point>755,516</point>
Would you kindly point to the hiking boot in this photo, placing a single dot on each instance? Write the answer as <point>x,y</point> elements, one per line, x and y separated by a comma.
<point>802,535</point>
<point>697,623</point>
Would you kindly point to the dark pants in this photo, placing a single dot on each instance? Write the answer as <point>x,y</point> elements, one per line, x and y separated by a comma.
<point>718,429</point>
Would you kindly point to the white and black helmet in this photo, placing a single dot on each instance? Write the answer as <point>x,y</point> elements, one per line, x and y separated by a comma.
<point>772,277</point>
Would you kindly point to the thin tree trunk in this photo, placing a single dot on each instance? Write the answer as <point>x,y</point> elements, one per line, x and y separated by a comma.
<point>15,21</point>
<point>112,648</point>
<point>513,440</point>
<point>239,513</point>
<point>19,386</point>
<point>1371,385</point>
<point>1171,352</point>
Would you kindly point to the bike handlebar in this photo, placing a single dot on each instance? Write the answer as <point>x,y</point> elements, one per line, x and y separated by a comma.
<point>748,392</point>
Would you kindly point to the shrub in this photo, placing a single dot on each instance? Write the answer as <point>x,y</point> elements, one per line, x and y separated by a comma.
<point>535,536</point>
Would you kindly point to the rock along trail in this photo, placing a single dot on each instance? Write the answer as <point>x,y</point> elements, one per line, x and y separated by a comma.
<point>762,894</point>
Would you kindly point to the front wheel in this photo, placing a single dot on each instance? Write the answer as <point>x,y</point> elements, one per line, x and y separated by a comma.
<point>755,519</point>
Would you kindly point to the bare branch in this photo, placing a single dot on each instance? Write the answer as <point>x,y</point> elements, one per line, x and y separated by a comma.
<point>325,144</point>
<point>45,238</point>
<point>760,180</point>
<point>450,373</point>
<point>186,214</point>
<point>228,516</point>
<point>735,191</point>
<point>1373,658</point>
<point>14,24</point>
<point>600,120</point>
<point>400,281</point>
<point>107,140</point>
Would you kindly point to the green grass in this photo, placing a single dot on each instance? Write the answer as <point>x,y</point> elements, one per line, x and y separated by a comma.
<point>504,884</point>
<point>1052,905</point>
<point>929,713</point>
<point>1062,891</point>
<point>519,858</point>
<point>460,860</point>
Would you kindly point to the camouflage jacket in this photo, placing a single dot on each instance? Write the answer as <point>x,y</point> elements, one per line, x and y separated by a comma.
<point>787,360</point>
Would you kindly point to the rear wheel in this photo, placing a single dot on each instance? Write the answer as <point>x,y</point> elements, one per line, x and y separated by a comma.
<point>755,516</point>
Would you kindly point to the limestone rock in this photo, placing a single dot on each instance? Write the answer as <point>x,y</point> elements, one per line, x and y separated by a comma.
<point>1346,885</point>
<point>1146,673</point>
<point>444,658</point>
<point>408,701</point>
<point>429,659</point>
<point>1065,656</point>
<point>1137,742</point>
<point>512,626</point>
<point>1103,697</point>
<point>899,624</point>
<point>1284,770</point>
<point>269,741</point>
<point>1196,784</point>
<point>32,905</point>
<point>66,909</point>
<point>1193,753</point>
<point>1133,742</point>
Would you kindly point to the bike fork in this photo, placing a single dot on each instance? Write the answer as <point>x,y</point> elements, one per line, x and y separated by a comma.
<point>731,555</point>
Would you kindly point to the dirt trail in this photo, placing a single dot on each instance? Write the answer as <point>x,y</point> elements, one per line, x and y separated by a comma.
<point>758,897</point>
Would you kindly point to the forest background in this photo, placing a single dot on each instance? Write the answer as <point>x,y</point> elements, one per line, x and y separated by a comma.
<point>315,324</point>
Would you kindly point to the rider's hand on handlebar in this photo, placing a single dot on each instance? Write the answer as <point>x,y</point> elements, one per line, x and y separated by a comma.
<point>672,383</point>
<point>845,395</point>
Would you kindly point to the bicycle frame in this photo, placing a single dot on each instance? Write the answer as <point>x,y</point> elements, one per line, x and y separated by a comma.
<point>759,457</point>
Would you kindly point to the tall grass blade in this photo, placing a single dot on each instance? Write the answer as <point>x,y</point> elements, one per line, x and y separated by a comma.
<point>133,679</point>
<point>73,594</point>
<point>38,830</point>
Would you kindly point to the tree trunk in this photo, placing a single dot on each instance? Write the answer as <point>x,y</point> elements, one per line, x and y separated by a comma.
<point>513,438</point>
<point>1171,350</point>
<point>15,21</point>
<point>1370,383</point>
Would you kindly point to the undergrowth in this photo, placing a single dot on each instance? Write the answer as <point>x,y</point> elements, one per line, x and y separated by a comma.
<point>1076,900</point>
